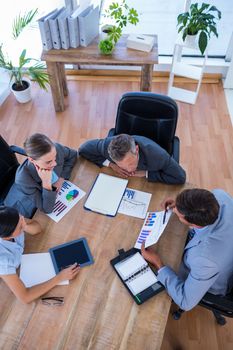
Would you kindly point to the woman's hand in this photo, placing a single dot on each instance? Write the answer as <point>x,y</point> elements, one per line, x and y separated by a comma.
<point>46,177</point>
<point>69,273</point>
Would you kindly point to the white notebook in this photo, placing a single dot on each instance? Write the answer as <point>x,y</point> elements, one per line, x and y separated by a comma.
<point>37,268</point>
<point>106,194</point>
<point>136,273</point>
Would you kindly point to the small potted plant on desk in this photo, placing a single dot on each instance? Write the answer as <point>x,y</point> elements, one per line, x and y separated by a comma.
<point>21,86</point>
<point>199,22</point>
<point>121,14</point>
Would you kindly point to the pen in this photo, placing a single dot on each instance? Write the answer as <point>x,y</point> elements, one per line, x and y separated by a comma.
<point>164,216</point>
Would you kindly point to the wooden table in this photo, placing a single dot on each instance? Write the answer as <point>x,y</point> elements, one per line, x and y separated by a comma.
<point>98,313</point>
<point>121,56</point>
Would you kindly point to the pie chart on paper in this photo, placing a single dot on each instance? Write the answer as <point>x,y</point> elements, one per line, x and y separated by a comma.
<point>72,195</point>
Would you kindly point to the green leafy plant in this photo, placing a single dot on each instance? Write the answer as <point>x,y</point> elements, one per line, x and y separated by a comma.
<point>36,71</point>
<point>106,46</point>
<point>121,14</point>
<point>201,21</point>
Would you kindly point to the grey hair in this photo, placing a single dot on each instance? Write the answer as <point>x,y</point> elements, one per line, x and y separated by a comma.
<point>120,145</point>
<point>38,145</point>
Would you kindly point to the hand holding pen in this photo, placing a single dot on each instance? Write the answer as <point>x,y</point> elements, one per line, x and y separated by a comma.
<point>167,204</point>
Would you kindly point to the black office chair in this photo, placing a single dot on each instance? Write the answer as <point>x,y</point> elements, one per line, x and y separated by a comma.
<point>219,305</point>
<point>150,115</point>
<point>8,166</point>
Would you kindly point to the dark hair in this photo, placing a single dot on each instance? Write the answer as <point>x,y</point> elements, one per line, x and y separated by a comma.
<point>37,145</point>
<point>9,218</point>
<point>120,145</point>
<point>199,206</point>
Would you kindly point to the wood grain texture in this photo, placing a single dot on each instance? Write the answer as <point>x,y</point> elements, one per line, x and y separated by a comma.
<point>206,137</point>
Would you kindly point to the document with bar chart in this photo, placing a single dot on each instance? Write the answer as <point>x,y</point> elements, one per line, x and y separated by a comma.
<point>152,228</point>
<point>135,203</point>
<point>67,197</point>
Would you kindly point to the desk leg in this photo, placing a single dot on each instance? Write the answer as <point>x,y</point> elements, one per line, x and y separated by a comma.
<point>55,80</point>
<point>146,77</point>
<point>63,79</point>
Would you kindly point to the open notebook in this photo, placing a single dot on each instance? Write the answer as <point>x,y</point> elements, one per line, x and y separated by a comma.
<point>106,194</point>
<point>136,273</point>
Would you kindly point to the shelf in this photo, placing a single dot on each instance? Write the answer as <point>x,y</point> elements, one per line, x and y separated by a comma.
<point>182,94</point>
<point>187,70</point>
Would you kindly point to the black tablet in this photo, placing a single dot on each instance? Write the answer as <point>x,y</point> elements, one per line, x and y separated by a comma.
<point>71,252</point>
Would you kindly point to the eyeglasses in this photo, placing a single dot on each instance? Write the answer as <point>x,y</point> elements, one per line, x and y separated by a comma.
<point>53,301</point>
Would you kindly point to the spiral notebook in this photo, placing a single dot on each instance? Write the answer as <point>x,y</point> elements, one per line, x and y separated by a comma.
<point>136,273</point>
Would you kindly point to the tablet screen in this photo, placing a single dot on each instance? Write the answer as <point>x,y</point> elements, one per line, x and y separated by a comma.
<point>70,253</point>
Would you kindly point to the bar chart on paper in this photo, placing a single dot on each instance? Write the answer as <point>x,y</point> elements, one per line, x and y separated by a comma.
<point>67,197</point>
<point>135,203</point>
<point>152,228</point>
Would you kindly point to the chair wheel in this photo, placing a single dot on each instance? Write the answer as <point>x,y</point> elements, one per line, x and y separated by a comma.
<point>221,321</point>
<point>176,315</point>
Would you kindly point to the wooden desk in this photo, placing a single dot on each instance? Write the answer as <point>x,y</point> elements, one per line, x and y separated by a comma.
<point>55,60</point>
<point>98,313</point>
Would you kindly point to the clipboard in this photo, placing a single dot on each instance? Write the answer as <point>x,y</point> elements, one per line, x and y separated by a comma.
<point>106,194</point>
<point>149,291</point>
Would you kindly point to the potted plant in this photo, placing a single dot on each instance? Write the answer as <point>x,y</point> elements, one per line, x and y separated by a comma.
<point>199,21</point>
<point>20,85</point>
<point>121,14</point>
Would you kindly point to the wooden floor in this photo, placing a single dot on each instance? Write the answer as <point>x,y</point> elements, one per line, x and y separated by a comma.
<point>206,137</point>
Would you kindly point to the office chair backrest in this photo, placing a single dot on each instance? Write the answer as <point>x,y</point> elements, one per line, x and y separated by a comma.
<point>150,115</point>
<point>8,166</point>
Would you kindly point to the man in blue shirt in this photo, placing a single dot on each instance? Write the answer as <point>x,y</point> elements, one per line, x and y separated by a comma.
<point>12,228</point>
<point>207,263</point>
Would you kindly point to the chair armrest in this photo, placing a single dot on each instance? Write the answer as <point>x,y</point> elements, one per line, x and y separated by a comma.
<point>111,132</point>
<point>176,149</point>
<point>218,301</point>
<point>18,150</point>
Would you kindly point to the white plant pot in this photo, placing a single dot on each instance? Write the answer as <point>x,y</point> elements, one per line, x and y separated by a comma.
<point>23,96</point>
<point>192,41</point>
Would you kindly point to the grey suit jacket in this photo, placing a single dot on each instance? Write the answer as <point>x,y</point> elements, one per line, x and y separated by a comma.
<point>27,193</point>
<point>207,263</point>
<point>160,165</point>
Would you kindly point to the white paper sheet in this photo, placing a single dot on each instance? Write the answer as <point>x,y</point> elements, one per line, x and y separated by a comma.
<point>152,228</point>
<point>135,203</point>
<point>37,268</point>
<point>106,194</point>
<point>67,197</point>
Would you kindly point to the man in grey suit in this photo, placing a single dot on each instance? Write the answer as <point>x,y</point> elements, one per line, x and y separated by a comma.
<point>40,176</point>
<point>134,156</point>
<point>207,263</point>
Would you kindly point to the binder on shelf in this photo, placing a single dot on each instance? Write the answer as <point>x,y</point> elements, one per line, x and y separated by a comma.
<point>136,275</point>
<point>88,25</point>
<point>106,194</point>
<point>63,29</point>
<point>45,33</point>
<point>73,28</point>
<point>53,25</point>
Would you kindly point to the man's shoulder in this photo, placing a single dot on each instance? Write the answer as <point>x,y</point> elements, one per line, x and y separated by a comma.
<point>145,141</point>
<point>148,145</point>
